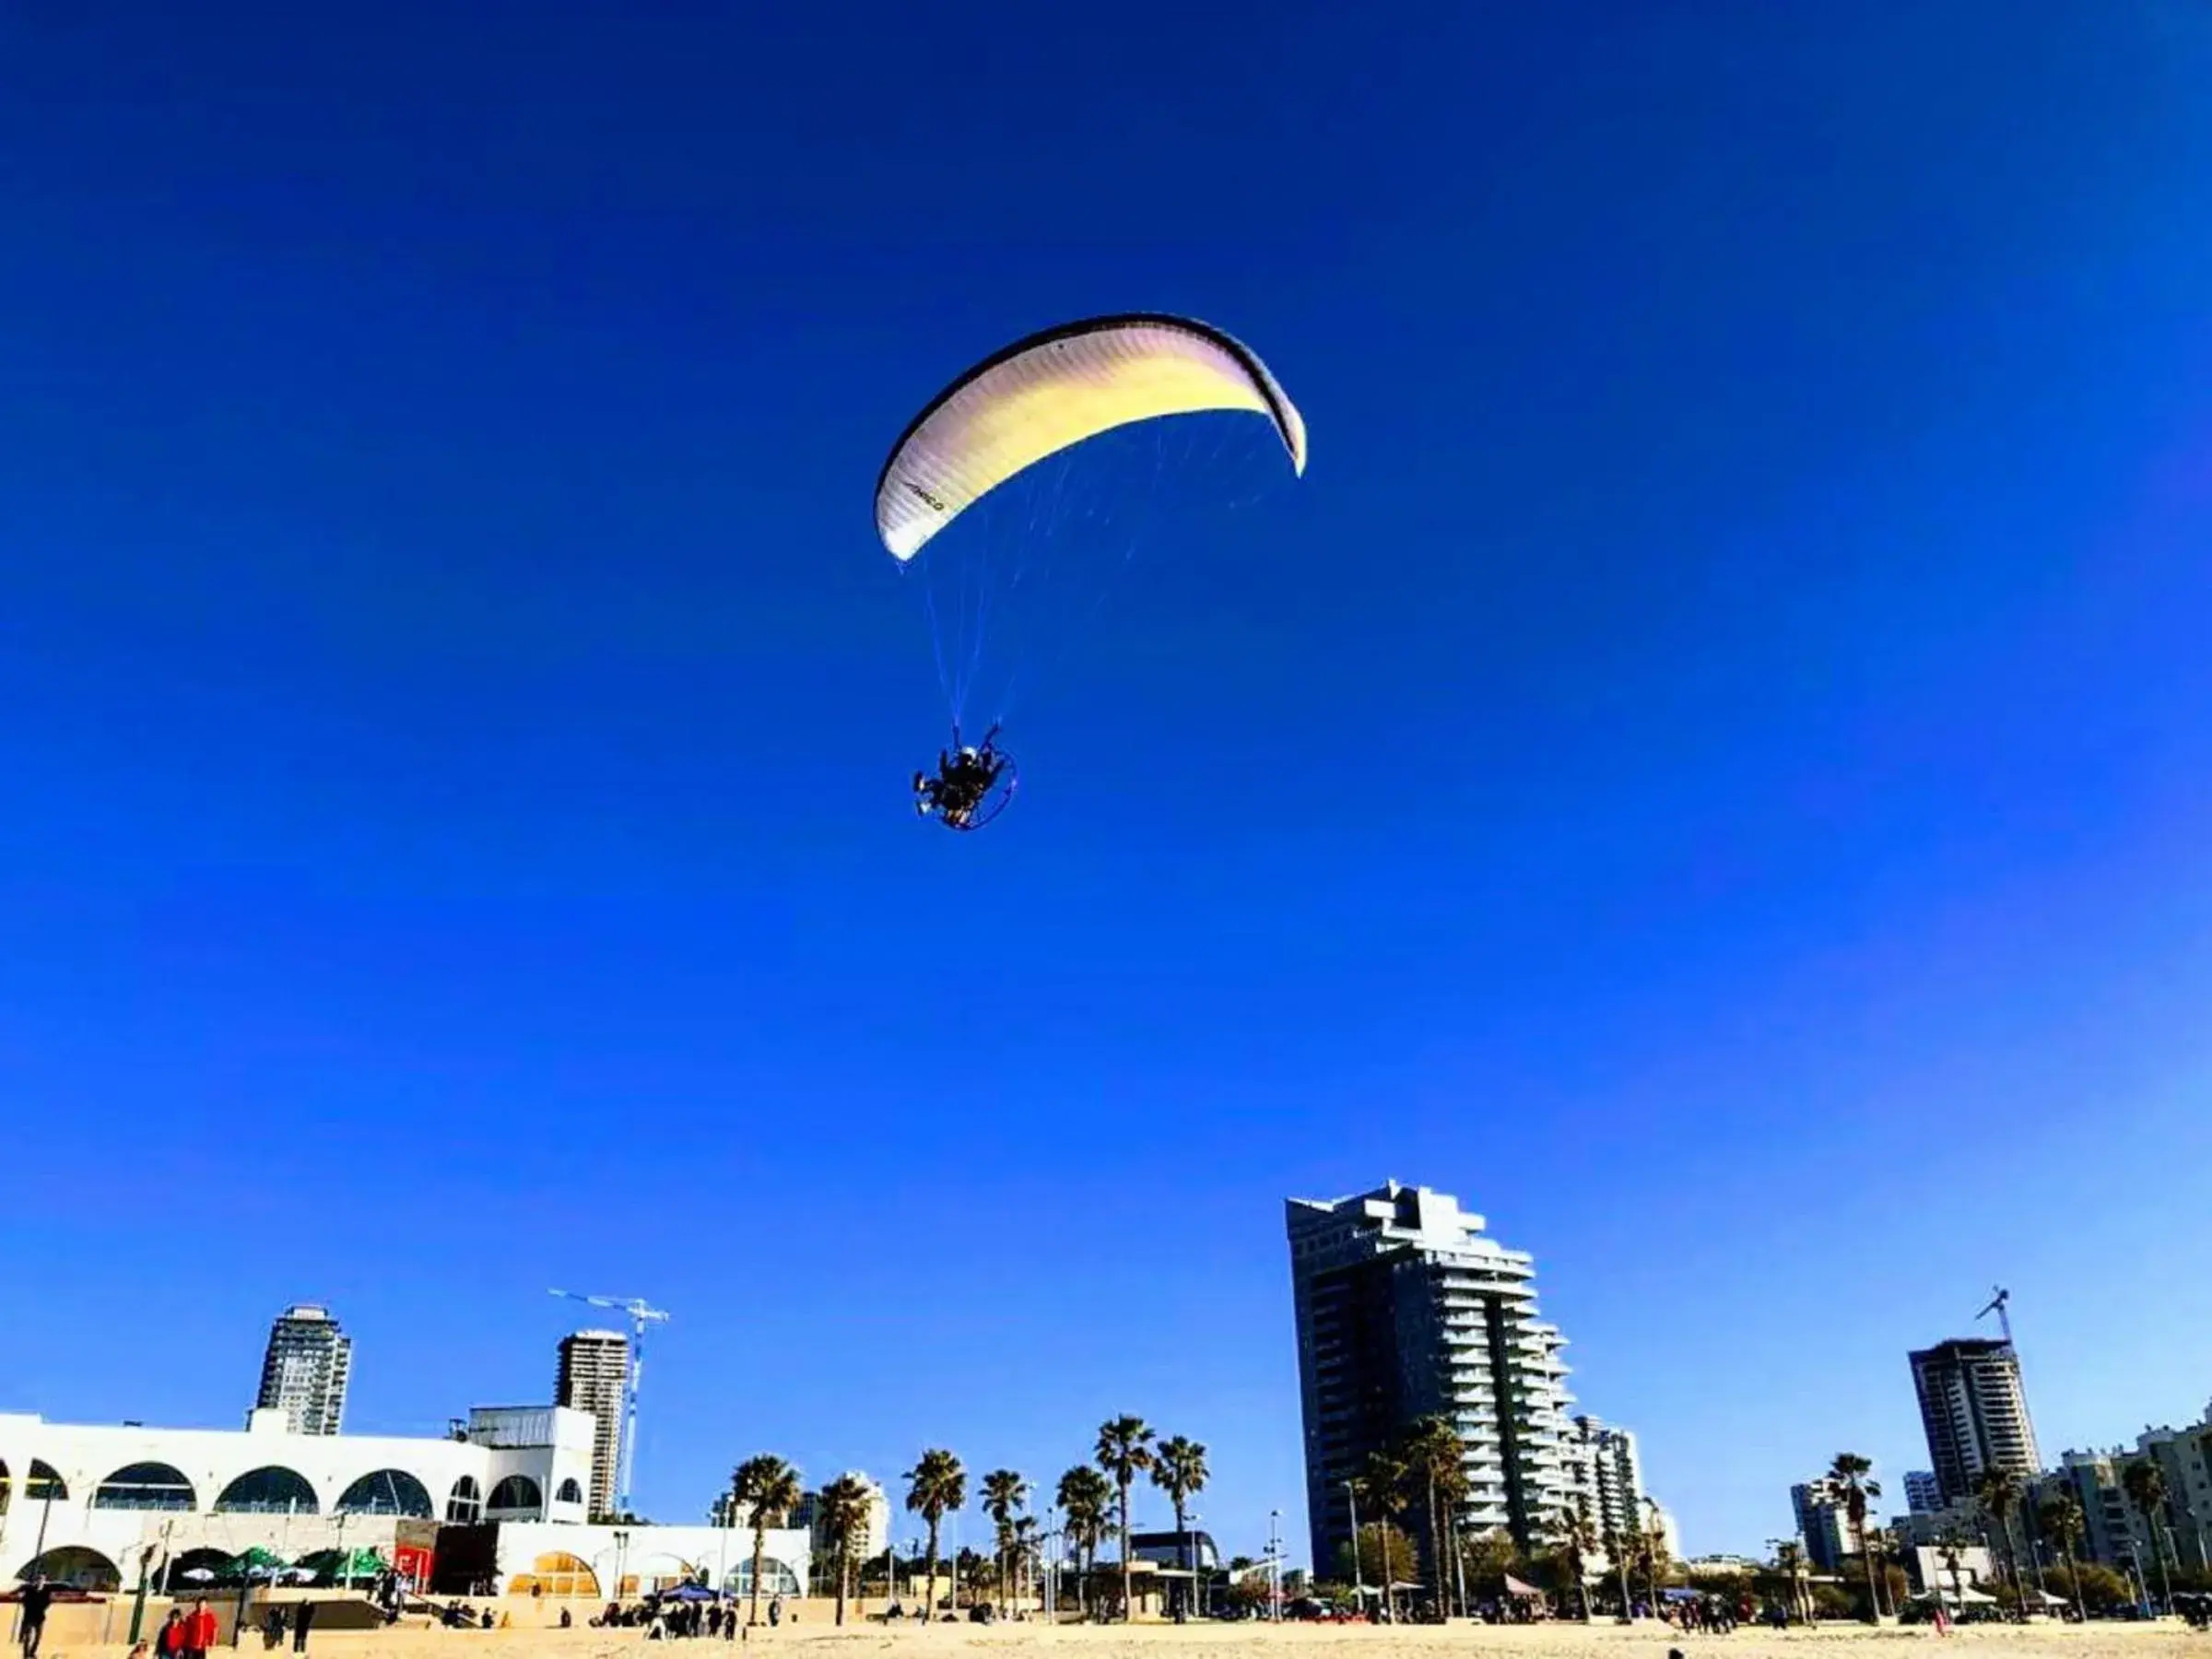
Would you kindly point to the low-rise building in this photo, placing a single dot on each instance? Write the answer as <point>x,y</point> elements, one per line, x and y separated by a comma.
<point>92,1505</point>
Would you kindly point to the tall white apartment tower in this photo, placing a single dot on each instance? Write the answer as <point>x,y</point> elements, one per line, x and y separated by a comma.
<point>1406,1310</point>
<point>594,1369</point>
<point>305,1370</point>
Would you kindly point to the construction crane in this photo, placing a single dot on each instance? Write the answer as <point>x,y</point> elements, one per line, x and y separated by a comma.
<point>2000,1299</point>
<point>641,1313</point>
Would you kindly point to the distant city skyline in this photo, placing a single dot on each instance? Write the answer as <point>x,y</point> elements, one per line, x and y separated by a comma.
<point>1751,567</point>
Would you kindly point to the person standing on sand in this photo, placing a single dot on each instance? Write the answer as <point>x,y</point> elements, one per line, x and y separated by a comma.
<point>303,1616</point>
<point>31,1628</point>
<point>199,1631</point>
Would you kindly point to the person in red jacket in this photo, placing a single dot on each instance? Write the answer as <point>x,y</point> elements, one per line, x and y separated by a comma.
<point>170,1643</point>
<point>199,1631</point>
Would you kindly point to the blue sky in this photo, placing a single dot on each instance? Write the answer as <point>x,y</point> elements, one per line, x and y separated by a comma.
<point>1709,766</point>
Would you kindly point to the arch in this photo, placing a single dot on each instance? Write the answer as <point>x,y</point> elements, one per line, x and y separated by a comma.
<point>271,1489</point>
<point>555,1572</point>
<point>570,1492</point>
<point>386,1492</point>
<point>145,1486</point>
<point>777,1580</point>
<point>45,1482</point>
<point>193,1570</point>
<point>464,1504</point>
<point>516,1493</point>
<point>659,1570</point>
<point>76,1565</point>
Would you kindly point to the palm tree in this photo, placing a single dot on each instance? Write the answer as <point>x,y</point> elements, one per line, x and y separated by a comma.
<point>1951,1547</point>
<point>1179,1470</point>
<point>1789,1557</point>
<point>2062,1519</point>
<point>1654,1549</point>
<point>766,1488</point>
<point>1850,1471</point>
<point>1124,1452</point>
<point>2146,1486</point>
<point>935,1486</point>
<point>1997,1490</point>
<point>1084,1495</point>
<point>1381,1491</point>
<point>1004,1491</point>
<point>844,1518</point>
<point>1026,1555</point>
<point>1617,1547</point>
<point>1435,1455</point>
<point>1577,1540</point>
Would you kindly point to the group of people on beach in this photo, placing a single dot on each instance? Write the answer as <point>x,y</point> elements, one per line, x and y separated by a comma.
<point>667,1620</point>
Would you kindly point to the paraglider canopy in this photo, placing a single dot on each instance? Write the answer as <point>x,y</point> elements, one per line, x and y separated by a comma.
<point>1053,390</point>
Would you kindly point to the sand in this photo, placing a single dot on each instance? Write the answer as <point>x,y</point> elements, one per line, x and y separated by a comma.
<point>813,1639</point>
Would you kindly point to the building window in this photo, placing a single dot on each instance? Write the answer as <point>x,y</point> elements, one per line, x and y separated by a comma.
<point>273,1490</point>
<point>145,1486</point>
<point>387,1492</point>
<point>464,1507</point>
<point>570,1492</point>
<point>776,1579</point>
<point>516,1493</point>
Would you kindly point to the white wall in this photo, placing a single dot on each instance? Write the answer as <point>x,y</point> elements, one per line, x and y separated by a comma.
<point>646,1553</point>
<point>211,1459</point>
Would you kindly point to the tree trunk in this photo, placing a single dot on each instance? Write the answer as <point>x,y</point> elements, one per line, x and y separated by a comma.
<point>2158,1550</point>
<point>1436,1551</point>
<point>2074,1578</point>
<point>1128,1606</point>
<point>844,1567</point>
<point>759,1551</point>
<point>929,1585</point>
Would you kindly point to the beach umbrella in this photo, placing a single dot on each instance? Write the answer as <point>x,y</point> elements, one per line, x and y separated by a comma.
<point>255,1562</point>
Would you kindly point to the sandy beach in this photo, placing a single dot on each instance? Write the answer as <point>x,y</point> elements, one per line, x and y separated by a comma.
<point>1562,1641</point>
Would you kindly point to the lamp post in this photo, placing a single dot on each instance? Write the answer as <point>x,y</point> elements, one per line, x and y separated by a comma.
<point>1352,1500</point>
<point>1274,1567</point>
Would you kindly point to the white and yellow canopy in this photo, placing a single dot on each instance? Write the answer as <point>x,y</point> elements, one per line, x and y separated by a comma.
<point>1052,391</point>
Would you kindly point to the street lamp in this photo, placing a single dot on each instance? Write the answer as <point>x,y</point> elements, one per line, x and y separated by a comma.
<point>1274,1567</point>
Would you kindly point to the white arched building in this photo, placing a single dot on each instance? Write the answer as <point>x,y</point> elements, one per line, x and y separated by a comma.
<point>504,1498</point>
<point>83,1503</point>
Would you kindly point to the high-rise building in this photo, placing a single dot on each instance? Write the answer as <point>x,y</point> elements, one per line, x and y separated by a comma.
<point>1923,1496</point>
<point>875,1531</point>
<point>305,1370</point>
<point>1604,1478</point>
<point>594,1369</point>
<point>1823,1512</point>
<point>1975,1413</point>
<point>1405,1308</point>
